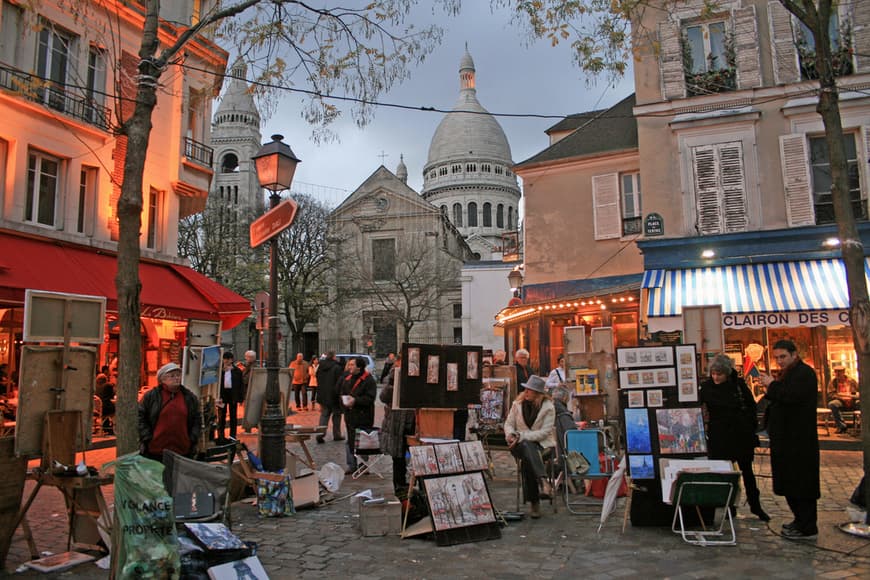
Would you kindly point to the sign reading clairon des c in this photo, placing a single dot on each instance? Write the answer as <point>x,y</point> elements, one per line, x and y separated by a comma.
<point>786,319</point>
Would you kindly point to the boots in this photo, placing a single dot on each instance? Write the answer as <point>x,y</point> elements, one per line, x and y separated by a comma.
<point>535,510</point>
<point>754,501</point>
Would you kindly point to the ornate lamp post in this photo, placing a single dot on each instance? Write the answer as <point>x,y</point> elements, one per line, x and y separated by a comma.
<point>515,279</point>
<point>276,164</point>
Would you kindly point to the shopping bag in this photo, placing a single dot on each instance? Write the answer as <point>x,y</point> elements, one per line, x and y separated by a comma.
<point>368,440</point>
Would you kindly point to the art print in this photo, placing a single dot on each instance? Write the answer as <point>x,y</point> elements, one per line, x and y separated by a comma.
<point>654,398</point>
<point>413,362</point>
<point>473,456</point>
<point>644,356</point>
<point>629,379</point>
<point>423,460</point>
<point>452,376</point>
<point>472,367</point>
<point>688,373</point>
<point>492,405</point>
<point>432,363</point>
<point>458,501</point>
<point>688,392</point>
<point>211,365</point>
<point>641,467</point>
<point>637,431</point>
<point>449,458</point>
<point>681,431</point>
<point>635,399</point>
<point>647,379</point>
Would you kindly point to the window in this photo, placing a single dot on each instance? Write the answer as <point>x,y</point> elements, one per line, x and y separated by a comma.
<point>444,210</point>
<point>442,171</point>
<point>472,215</point>
<point>510,219</point>
<point>457,310</point>
<point>456,168</point>
<point>499,216</point>
<point>499,170</point>
<point>10,35</point>
<point>841,48</point>
<point>96,82</point>
<point>383,259</point>
<point>230,163</point>
<point>709,58</point>
<point>631,209</point>
<point>87,199</point>
<point>470,167</point>
<point>457,335</point>
<point>720,189</point>
<point>43,174</point>
<point>457,215</point>
<point>486,168</point>
<point>53,61</point>
<point>487,215</point>
<point>820,168</point>
<point>432,174</point>
<point>152,231</point>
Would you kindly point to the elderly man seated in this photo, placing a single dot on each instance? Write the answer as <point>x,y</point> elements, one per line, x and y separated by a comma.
<point>842,396</point>
<point>530,431</point>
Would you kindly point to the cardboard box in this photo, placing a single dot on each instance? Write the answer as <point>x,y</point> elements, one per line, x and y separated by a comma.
<point>380,519</point>
<point>306,490</point>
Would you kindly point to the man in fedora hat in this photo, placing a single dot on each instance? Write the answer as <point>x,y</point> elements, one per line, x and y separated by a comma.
<point>530,431</point>
<point>169,416</point>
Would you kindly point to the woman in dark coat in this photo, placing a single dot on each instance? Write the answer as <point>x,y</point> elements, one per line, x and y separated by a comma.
<point>358,392</point>
<point>794,441</point>
<point>731,424</point>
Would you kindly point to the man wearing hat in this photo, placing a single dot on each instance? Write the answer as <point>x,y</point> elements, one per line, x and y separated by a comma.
<point>530,431</point>
<point>842,395</point>
<point>232,388</point>
<point>169,416</point>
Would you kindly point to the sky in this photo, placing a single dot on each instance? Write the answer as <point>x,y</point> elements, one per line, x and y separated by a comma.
<point>511,78</point>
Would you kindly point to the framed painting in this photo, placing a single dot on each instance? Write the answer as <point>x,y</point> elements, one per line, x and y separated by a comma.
<point>473,456</point>
<point>681,431</point>
<point>644,356</point>
<point>432,363</point>
<point>637,431</point>
<point>413,362</point>
<point>423,460</point>
<point>459,501</point>
<point>449,458</point>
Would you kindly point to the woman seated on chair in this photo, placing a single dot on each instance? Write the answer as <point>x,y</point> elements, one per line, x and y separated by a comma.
<point>529,431</point>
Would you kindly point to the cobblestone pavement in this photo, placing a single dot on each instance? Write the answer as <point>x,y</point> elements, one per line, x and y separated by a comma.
<point>325,542</point>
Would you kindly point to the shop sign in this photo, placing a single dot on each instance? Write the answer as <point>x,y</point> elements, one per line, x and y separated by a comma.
<point>786,319</point>
<point>654,225</point>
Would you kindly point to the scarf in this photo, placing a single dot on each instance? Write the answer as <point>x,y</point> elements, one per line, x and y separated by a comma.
<point>530,413</point>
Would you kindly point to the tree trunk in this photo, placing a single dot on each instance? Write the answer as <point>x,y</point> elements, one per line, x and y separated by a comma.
<point>138,130</point>
<point>850,241</point>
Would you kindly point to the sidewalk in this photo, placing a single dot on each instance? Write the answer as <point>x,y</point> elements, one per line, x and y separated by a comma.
<point>325,542</point>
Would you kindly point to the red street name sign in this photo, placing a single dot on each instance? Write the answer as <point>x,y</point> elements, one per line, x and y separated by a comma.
<point>273,222</point>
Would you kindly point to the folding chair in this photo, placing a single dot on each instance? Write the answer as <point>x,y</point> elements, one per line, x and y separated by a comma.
<point>367,450</point>
<point>706,490</point>
<point>591,444</point>
<point>193,482</point>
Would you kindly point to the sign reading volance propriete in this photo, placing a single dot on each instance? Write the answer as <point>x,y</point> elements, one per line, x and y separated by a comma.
<point>273,222</point>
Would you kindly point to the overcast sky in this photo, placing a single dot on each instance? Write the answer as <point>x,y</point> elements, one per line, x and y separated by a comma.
<point>511,78</point>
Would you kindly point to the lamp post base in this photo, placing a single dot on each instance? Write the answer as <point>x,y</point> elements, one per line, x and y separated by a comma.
<point>272,426</point>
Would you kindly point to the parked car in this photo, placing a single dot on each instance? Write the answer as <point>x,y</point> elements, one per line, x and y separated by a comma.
<point>370,362</point>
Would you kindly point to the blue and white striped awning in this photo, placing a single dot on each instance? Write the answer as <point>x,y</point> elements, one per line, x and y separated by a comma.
<point>772,287</point>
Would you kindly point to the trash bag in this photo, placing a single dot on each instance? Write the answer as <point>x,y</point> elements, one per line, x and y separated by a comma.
<point>331,475</point>
<point>145,545</point>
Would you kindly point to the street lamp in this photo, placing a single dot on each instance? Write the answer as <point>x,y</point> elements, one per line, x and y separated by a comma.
<point>275,164</point>
<point>515,278</point>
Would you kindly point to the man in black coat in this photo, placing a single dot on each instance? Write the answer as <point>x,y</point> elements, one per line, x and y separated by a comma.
<point>358,392</point>
<point>794,441</point>
<point>328,374</point>
<point>231,392</point>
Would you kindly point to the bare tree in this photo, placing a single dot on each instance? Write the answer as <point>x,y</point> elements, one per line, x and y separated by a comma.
<point>304,262</point>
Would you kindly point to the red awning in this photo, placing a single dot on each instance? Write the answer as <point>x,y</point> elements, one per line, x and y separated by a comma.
<point>169,291</point>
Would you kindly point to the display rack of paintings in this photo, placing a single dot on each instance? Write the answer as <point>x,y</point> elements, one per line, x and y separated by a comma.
<point>445,376</point>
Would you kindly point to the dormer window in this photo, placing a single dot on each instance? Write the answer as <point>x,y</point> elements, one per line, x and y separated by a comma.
<point>841,49</point>
<point>709,58</point>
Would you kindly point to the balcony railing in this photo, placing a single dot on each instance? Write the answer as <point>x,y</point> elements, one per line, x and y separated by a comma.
<point>199,152</point>
<point>55,97</point>
<point>631,226</point>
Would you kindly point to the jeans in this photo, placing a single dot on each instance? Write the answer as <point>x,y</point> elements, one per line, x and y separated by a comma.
<point>836,406</point>
<point>529,453</point>
<point>300,390</point>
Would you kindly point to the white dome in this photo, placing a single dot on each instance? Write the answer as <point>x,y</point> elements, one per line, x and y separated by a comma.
<point>237,98</point>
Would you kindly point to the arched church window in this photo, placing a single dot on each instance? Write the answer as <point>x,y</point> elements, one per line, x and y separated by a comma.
<point>236,194</point>
<point>499,216</point>
<point>472,215</point>
<point>498,169</point>
<point>230,163</point>
<point>442,170</point>
<point>444,210</point>
<point>508,172</point>
<point>457,168</point>
<point>470,167</point>
<point>432,174</point>
<point>510,222</point>
<point>457,215</point>
<point>486,168</point>
<point>487,215</point>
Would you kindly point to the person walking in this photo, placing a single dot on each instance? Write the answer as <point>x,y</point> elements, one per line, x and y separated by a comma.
<point>358,392</point>
<point>794,440</point>
<point>231,393</point>
<point>329,372</point>
<point>312,382</point>
<point>300,382</point>
<point>167,420</point>
<point>732,422</point>
<point>388,366</point>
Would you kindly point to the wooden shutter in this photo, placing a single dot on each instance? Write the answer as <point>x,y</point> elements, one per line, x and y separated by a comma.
<point>706,169</point>
<point>796,180</point>
<point>861,35</point>
<point>746,46</point>
<point>605,206</point>
<point>864,174</point>
<point>785,57</point>
<point>733,183</point>
<point>671,60</point>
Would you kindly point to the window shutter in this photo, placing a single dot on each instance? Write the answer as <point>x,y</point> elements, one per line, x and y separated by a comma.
<point>796,180</point>
<point>785,57</point>
<point>861,35</point>
<point>706,169</point>
<point>746,47</point>
<point>671,61</point>
<point>605,205</point>
<point>865,176</point>
<point>733,184</point>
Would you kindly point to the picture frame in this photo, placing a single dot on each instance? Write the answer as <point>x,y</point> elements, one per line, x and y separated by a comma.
<point>473,456</point>
<point>413,362</point>
<point>681,431</point>
<point>641,466</point>
<point>644,356</point>
<point>452,376</point>
<point>492,401</point>
<point>654,398</point>
<point>472,365</point>
<point>687,372</point>
<point>433,361</point>
<point>211,365</point>
<point>449,458</point>
<point>647,378</point>
<point>635,399</point>
<point>458,501</point>
<point>423,460</point>
<point>637,432</point>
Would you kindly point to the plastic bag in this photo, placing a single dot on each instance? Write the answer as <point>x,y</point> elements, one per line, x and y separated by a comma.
<point>147,543</point>
<point>331,475</point>
<point>274,495</point>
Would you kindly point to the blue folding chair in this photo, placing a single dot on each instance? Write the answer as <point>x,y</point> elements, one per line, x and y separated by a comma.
<point>591,444</point>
